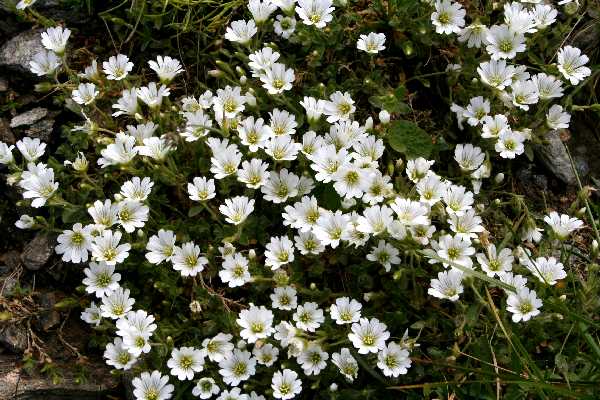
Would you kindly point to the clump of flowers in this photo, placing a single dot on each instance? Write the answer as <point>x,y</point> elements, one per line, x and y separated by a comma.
<point>251,150</point>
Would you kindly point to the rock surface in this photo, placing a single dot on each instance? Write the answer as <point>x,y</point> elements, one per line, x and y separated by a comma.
<point>16,384</point>
<point>18,51</point>
<point>6,134</point>
<point>14,338</point>
<point>37,252</point>
<point>28,117</point>
<point>554,157</point>
<point>41,130</point>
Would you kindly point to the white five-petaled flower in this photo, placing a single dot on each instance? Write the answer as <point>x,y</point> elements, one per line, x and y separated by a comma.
<point>187,259</point>
<point>315,12</point>
<point>571,63</point>
<point>371,43</point>
<point>75,244</point>
<point>448,17</point>
<point>117,67</point>
<point>285,384</point>
<point>369,335</point>
<point>101,279</point>
<point>152,386</point>
<point>85,94</point>
<point>524,304</point>
<point>55,39</point>
<point>237,209</point>
<point>185,362</point>
<point>166,68</point>
<point>256,323</point>
<point>447,285</point>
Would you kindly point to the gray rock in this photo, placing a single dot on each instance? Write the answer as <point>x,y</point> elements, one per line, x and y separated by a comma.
<point>49,317</point>
<point>14,337</point>
<point>18,51</point>
<point>29,117</point>
<point>6,134</point>
<point>16,384</point>
<point>37,252</point>
<point>554,157</point>
<point>41,130</point>
<point>529,179</point>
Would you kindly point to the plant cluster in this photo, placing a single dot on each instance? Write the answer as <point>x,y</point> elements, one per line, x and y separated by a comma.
<point>251,239</point>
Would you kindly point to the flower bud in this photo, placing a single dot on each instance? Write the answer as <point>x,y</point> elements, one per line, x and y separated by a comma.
<point>499,178</point>
<point>369,123</point>
<point>243,79</point>
<point>252,254</point>
<point>313,286</point>
<point>581,212</point>
<point>384,116</point>
<point>215,73</point>
<point>195,307</point>
<point>333,387</point>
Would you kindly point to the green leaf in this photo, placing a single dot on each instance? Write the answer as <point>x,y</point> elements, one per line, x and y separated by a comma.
<point>407,138</point>
<point>195,211</point>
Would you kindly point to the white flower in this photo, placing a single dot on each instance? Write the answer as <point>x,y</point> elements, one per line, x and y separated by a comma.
<point>339,107</point>
<point>127,103</point>
<point>284,298</point>
<point>448,17</point>
<point>122,151</point>
<point>284,26</point>
<point>571,63</point>
<point>31,149</point>
<point>385,254</point>
<point>91,71</point>
<point>282,123</point>
<point>55,39</point>
<point>455,249</point>
<point>25,222</point>
<point>282,148</point>
<point>136,329</point>
<point>201,189</point>
<point>152,386</point>
<point>205,388</point>
<point>233,394</point>
<point>544,15</point>
<point>556,118</point>
<point>185,362</point>
<point>279,251</point>
<point>265,354</point>
<point>285,384</point>
<point>314,108</point>
<point>116,355</point>
<point>345,310</point>
<point>132,214</point>
<point>39,185</point>
<point>495,263</point>
<point>280,186</point>
<point>152,94</point>
<point>85,94</point>
<point>510,144</point>
<point>104,214</point>
<point>23,4</point>
<point>474,34</point>
<point>369,335</point>
<point>410,212</point>
<point>137,188</point>
<point>261,60</point>
<point>237,366</point>
<point>315,12</point>
<point>562,225</point>
<point>331,227</point>
<point>477,110</point>
<point>345,363</point>
<point>448,285</point>
<point>92,314</point>
<point>156,148</point>
<point>142,131</point>
<point>166,68</point>
<point>313,359</point>
<point>187,259</point>
<point>375,220</point>
<point>548,86</point>
<point>518,19</point>
<point>418,168</point>
<point>101,279</point>
<point>160,247</point>
<point>261,10</point>
<point>254,134</point>
<point>6,156</point>
<point>217,347</point>
<point>393,360</point>
<point>106,247</point>
<point>547,270</point>
<point>308,317</point>
<point>241,31</point>
<point>504,43</point>
<point>467,225</point>
<point>197,125</point>
<point>256,323</point>
<point>44,63</point>
<point>237,209</point>
<point>116,304</point>
<point>468,157</point>
<point>494,126</point>
<point>371,43</point>
<point>253,173</point>
<point>524,93</point>
<point>235,270</point>
<point>496,73</point>
<point>524,304</point>
<point>377,189</point>
<point>117,67</point>
<point>228,102</point>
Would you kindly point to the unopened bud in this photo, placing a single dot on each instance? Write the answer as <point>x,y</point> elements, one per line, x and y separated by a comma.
<point>243,79</point>
<point>499,178</point>
<point>369,123</point>
<point>215,73</point>
<point>313,286</point>
<point>195,307</point>
<point>581,212</point>
<point>252,254</point>
<point>384,117</point>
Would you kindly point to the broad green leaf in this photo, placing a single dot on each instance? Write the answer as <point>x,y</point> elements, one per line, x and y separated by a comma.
<point>407,138</point>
